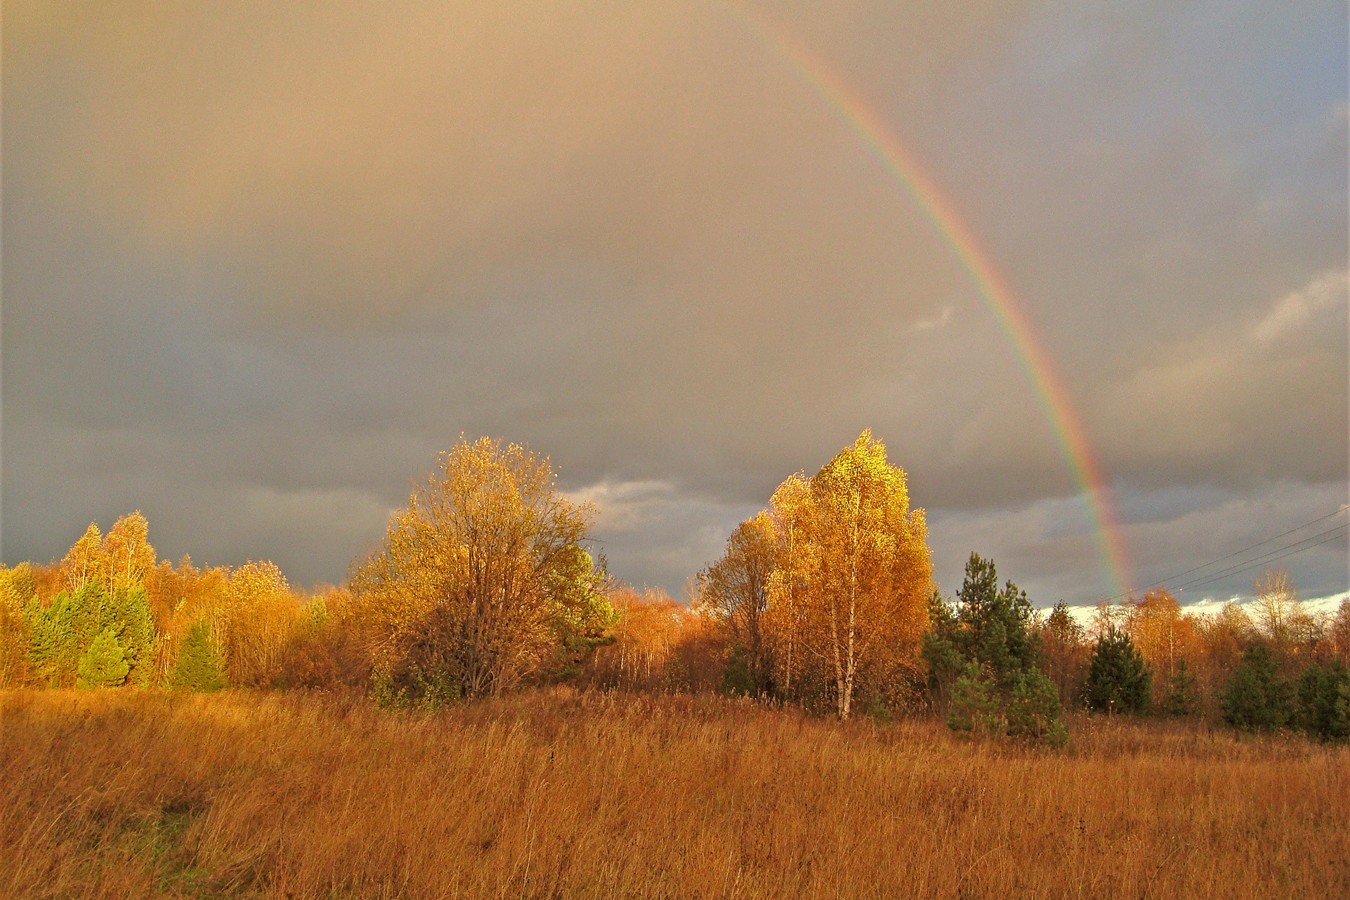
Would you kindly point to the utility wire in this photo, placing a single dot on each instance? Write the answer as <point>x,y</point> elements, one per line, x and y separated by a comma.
<point>1257,559</point>
<point>1150,587</point>
<point>1334,537</point>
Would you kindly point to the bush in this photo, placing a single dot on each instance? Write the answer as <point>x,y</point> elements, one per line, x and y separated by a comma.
<point>1256,698</point>
<point>1117,678</point>
<point>974,708</point>
<point>1033,710</point>
<point>1324,702</point>
<point>737,679</point>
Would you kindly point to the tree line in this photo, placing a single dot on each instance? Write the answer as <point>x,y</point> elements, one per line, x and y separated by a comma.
<point>486,580</point>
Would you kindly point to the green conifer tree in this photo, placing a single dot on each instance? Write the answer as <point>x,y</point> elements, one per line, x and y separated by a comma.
<point>984,649</point>
<point>104,663</point>
<point>1324,702</point>
<point>1180,699</point>
<point>1117,678</point>
<point>17,586</point>
<point>200,664</point>
<point>136,633</point>
<point>51,648</point>
<point>1257,699</point>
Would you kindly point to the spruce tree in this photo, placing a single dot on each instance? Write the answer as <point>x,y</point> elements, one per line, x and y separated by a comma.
<point>104,663</point>
<point>1257,699</point>
<point>1117,678</point>
<point>52,640</point>
<point>1324,702</point>
<point>1180,699</point>
<point>136,633</point>
<point>200,665</point>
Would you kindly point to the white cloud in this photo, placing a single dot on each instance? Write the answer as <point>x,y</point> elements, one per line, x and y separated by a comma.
<point>623,506</point>
<point>1295,311</point>
<point>938,321</point>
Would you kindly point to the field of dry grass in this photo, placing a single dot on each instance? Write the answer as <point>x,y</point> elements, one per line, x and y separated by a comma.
<point>559,794</point>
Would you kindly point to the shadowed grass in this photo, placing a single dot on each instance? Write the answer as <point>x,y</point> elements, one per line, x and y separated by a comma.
<point>555,794</point>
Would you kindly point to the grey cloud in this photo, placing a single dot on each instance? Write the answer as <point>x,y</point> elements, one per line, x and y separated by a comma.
<point>271,259</point>
<point>1264,398</point>
<point>1050,547</point>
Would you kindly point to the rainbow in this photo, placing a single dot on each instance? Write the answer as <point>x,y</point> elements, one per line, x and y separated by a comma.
<point>1054,400</point>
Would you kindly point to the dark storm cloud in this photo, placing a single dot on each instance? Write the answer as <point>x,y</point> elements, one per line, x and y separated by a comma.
<point>262,262</point>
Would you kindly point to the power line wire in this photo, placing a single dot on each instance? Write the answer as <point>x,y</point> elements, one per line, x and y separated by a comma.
<point>1335,537</point>
<point>1255,560</point>
<point>1268,540</point>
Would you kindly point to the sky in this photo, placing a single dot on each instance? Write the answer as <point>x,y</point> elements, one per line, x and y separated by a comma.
<point>263,262</point>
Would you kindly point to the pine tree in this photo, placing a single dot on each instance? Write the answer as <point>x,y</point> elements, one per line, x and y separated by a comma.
<point>1117,679</point>
<point>986,637</point>
<point>1033,709</point>
<point>104,663</point>
<point>200,664</point>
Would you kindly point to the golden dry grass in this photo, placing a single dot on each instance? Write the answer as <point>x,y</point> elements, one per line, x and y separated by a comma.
<point>560,794</point>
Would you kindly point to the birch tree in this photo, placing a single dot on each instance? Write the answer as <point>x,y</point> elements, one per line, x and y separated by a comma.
<point>851,578</point>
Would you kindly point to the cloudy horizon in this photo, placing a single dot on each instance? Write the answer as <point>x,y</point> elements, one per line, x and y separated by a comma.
<point>261,264</point>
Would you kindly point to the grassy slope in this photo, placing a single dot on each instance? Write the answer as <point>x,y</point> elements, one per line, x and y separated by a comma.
<point>553,794</point>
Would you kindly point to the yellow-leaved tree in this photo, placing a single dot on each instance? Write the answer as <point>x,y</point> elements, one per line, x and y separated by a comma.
<point>829,588</point>
<point>255,620</point>
<point>126,554</point>
<point>736,588</point>
<point>867,576</point>
<point>464,595</point>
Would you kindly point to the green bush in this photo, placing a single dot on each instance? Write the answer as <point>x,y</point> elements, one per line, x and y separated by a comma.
<point>413,688</point>
<point>737,679</point>
<point>1256,698</point>
<point>1117,678</point>
<point>1033,710</point>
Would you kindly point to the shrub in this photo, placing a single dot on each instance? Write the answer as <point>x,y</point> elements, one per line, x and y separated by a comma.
<point>737,679</point>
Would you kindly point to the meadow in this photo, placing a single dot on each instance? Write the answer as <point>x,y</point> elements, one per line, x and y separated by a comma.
<point>560,793</point>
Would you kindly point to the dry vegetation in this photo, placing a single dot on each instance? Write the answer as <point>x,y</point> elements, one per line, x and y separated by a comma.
<point>582,794</point>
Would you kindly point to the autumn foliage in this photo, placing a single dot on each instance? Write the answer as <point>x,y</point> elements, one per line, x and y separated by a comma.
<point>824,595</point>
<point>812,719</point>
<point>485,582</point>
